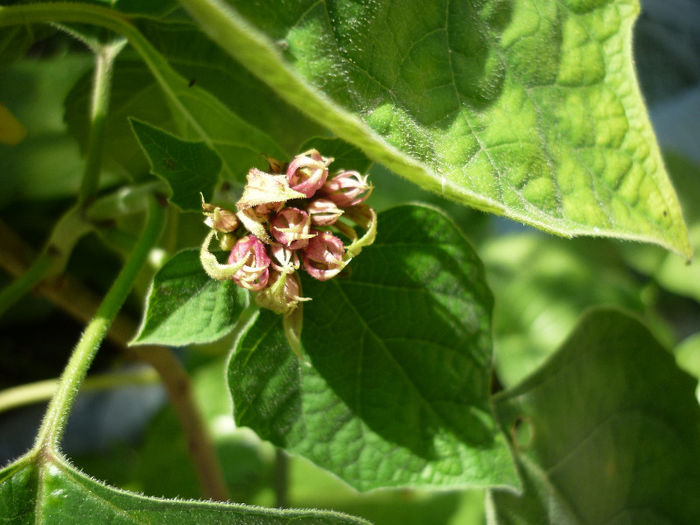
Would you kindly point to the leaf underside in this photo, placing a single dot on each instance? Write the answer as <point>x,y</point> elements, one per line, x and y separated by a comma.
<point>608,431</point>
<point>527,108</point>
<point>397,392</point>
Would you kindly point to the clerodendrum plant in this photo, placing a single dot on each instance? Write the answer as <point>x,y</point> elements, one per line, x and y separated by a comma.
<point>363,341</point>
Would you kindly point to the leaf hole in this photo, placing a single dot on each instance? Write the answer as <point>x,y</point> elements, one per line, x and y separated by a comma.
<point>522,433</point>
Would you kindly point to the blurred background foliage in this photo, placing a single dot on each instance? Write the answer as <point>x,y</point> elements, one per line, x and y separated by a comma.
<point>130,438</point>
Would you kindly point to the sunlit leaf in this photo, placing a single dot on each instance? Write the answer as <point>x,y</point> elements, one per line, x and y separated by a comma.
<point>186,306</point>
<point>528,109</point>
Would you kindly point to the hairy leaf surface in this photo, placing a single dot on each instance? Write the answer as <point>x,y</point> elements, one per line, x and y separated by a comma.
<point>525,108</point>
<point>400,352</point>
<point>186,306</point>
<point>608,431</point>
<point>37,491</point>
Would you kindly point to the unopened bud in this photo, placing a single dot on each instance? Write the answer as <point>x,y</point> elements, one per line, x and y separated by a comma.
<point>347,188</point>
<point>308,172</point>
<point>291,227</point>
<point>254,273</point>
<point>220,219</point>
<point>323,212</point>
<point>283,295</point>
<point>323,257</point>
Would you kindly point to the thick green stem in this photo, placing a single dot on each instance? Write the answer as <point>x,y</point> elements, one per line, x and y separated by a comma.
<point>57,414</point>
<point>99,106</point>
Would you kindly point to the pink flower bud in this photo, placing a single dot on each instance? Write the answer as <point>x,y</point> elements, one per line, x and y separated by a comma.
<point>323,212</point>
<point>291,228</point>
<point>323,257</point>
<point>308,172</point>
<point>347,188</point>
<point>255,272</point>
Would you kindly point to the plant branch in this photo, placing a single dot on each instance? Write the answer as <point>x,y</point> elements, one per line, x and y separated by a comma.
<point>50,262</point>
<point>30,393</point>
<point>99,107</point>
<point>56,417</point>
<point>80,302</point>
<point>25,282</point>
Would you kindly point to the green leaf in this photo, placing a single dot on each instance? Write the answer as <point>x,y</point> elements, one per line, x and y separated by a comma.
<point>200,115</point>
<point>398,390</point>
<point>186,306</point>
<point>671,271</point>
<point>190,168</point>
<point>543,284</point>
<point>135,93</point>
<point>46,489</point>
<point>607,431</point>
<point>523,108</point>
<point>199,60</point>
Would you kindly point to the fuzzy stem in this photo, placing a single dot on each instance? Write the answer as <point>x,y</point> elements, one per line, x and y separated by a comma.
<point>54,423</point>
<point>101,87</point>
<point>80,302</point>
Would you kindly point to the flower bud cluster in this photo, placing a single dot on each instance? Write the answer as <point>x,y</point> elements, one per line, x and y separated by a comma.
<point>296,216</point>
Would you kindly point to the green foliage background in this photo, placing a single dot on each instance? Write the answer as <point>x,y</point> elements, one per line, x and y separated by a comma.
<point>526,109</point>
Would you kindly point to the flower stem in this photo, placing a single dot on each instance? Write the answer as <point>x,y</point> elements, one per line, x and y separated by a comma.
<point>56,417</point>
<point>101,86</point>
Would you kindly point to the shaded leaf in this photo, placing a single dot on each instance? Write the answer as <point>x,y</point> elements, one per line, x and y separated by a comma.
<point>398,390</point>
<point>528,109</point>
<point>49,490</point>
<point>186,306</point>
<point>204,64</point>
<point>543,284</point>
<point>189,168</point>
<point>134,93</point>
<point>608,431</point>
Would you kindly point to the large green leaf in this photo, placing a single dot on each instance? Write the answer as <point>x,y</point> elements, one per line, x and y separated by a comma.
<point>191,169</point>
<point>608,431</point>
<point>46,489</point>
<point>186,306</point>
<point>398,388</point>
<point>525,108</point>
